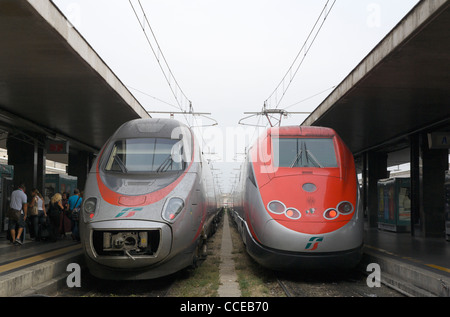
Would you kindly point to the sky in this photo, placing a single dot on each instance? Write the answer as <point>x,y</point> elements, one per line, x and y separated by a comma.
<point>229,56</point>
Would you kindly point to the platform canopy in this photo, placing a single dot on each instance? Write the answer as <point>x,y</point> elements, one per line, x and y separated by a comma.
<point>53,83</point>
<point>400,88</point>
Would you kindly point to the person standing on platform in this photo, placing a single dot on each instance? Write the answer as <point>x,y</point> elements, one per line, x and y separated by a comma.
<point>40,217</point>
<point>74,205</point>
<point>66,223</point>
<point>55,209</point>
<point>18,213</point>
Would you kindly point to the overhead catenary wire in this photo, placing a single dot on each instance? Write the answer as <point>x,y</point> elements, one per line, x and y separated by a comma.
<point>175,88</point>
<point>168,74</point>
<point>161,59</point>
<point>297,61</point>
<point>310,97</point>
<point>155,98</point>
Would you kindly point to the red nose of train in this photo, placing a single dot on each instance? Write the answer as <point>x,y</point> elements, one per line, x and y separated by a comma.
<point>306,177</point>
<point>313,204</point>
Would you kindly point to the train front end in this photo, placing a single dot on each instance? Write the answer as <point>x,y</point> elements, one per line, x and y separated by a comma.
<point>305,211</point>
<point>140,216</point>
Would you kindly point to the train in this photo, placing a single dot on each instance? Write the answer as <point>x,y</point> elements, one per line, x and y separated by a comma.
<point>297,202</point>
<point>149,202</point>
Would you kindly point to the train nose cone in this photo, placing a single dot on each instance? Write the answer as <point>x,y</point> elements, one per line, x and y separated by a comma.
<point>122,245</point>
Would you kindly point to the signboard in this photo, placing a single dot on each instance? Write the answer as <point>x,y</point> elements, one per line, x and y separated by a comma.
<point>439,140</point>
<point>57,147</point>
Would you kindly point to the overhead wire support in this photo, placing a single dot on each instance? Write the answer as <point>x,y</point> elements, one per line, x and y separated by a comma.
<point>285,85</point>
<point>270,114</point>
<point>190,112</point>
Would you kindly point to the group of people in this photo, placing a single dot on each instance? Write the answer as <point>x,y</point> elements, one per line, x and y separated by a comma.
<point>45,222</point>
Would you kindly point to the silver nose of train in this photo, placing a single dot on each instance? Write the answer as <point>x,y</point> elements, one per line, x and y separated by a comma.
<point>111,244</point>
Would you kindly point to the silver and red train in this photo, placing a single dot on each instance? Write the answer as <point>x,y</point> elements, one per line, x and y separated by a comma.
<point>149,202</point>
<point>297,203</point>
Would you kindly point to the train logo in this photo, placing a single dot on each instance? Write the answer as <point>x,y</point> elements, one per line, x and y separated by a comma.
<point>128,212</point>
<point>310,245</point>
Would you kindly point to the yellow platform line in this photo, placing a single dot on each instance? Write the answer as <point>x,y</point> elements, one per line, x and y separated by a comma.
<point>37,258</point>
<point>441,268</point>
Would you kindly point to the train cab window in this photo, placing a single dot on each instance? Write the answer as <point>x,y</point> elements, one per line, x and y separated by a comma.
<point>304,152</point>
<point>146,155</point>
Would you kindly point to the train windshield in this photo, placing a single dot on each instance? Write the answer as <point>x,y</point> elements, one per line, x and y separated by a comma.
<point>146,155</point>
<point>304,152</point>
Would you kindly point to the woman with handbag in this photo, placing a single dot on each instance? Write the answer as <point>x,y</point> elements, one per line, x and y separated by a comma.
<point>55,209</point>
<point>37,212</point>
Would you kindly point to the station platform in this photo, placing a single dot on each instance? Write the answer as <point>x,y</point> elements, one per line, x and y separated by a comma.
<point>416,266</point>
<point>35,264</point>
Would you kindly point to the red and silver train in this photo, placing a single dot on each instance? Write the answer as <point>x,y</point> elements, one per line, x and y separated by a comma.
<point>297,202</point>
<point>149,202</point>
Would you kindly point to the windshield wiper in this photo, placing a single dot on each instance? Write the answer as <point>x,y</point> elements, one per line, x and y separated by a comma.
<point>119,162</point>
<point>165,165</point>
<point>313,159</point>
<point>309,155</point>
<point>299,155</point>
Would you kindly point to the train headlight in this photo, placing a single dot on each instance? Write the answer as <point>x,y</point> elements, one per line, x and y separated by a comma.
<point>89,207</point>
<point>330,214</point>
<point>173,208</point>
<point>345,207</point>
<point>276,207</point>
<point>293,213</point>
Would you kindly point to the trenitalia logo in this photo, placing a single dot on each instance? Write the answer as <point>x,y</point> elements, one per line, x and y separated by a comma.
<point>313,246</point>
<point>127,212</point>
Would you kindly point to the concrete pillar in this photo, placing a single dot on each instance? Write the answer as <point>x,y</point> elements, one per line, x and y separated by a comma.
<point>427,186</point>
<point>28,158</point>
<point>41,158</point>
<point>435,163</point>
<point>79,165</point>
<point>377,169</point>
<point>416,180</point>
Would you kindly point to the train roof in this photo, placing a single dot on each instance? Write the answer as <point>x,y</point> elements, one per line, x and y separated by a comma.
<point>295,131</point>
<point>154,127</point>
<point>301,131</point>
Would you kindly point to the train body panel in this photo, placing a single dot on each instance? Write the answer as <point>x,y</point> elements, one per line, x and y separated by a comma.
<point>149,202</point>
<point>297,204</point>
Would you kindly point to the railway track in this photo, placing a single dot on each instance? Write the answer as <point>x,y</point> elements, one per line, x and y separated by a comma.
<point>93,287</point>
<point>326,284</point>
<point>306,284</point>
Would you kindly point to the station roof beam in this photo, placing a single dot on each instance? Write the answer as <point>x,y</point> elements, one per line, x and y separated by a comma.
<point>52,82</point>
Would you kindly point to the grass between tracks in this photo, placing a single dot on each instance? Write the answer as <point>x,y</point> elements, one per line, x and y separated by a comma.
<point>254,280</point>
<point>204,281</point>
